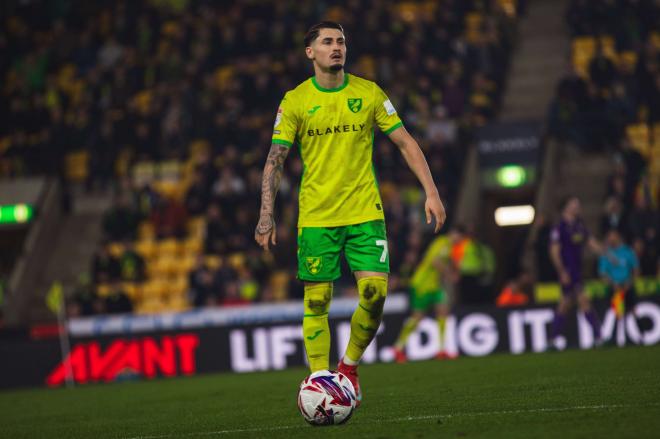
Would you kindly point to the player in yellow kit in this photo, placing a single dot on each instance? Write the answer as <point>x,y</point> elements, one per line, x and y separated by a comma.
<point>428,289</point>
<point>332,117</point>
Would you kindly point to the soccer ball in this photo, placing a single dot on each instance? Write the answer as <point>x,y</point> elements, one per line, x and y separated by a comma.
<point>326,397</point>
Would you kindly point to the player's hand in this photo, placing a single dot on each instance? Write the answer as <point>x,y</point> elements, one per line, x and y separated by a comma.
<point>564,278</point>
<point>435,209</point>
<point>265,231</point>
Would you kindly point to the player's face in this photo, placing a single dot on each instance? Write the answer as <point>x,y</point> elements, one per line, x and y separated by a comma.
<point>328,51</point>
<point>573,207</point>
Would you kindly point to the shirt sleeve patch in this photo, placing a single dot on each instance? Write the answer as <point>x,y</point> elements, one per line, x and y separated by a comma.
<point>389,108</point>
<point>278,117</point>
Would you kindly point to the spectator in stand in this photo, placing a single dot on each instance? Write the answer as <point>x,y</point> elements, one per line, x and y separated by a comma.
<point>169,219</point>
<point>105,267</point>
<point>84,301</point>
<point>131,264</point>
<point>601,69</point>
<point>117,302</point>
<point>204,285</point>
<point>516,292</point>
<point>198,196</point>
<point>120,222</point>
<point>217,231</point>
<point>232,295</point>
<point>613,217</point>
<point>644,223</point>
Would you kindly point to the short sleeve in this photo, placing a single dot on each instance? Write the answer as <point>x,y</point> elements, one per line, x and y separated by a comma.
<point>555,235</point>
<point>286,122</point>
<point>385,114</point>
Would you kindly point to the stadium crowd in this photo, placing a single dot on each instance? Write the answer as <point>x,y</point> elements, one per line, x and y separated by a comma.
<point>615,76</point>
<point>136,84</point>
<point>610,101</point>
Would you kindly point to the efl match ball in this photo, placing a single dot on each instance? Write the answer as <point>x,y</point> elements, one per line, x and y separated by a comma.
<point>326,397</point>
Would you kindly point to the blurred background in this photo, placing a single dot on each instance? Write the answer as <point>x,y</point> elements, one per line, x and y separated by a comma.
<point>133,135</point>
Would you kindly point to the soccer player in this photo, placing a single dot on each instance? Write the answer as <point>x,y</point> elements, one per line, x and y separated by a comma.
<point>567,240</point>
<point>332,117</point>
<point>428,292</point>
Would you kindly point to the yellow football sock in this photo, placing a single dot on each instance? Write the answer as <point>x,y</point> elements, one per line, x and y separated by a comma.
<point>408,328</point>
<point>441,331</point>
<point>366,318</point>
<point>316,332</point>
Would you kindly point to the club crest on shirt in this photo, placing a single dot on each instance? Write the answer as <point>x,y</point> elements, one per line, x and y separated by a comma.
<point>314,264</point>
<point>354,104</point>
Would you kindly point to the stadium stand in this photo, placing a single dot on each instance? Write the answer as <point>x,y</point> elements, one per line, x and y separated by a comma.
<point>608,106</point>
<point>169,105</point>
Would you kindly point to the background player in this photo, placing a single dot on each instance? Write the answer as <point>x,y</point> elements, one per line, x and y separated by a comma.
<point>429,291</point>
<point>567,240</point>
<point>332,116</point>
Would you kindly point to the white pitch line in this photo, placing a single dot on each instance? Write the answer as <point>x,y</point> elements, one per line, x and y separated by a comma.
<point>403,419</point>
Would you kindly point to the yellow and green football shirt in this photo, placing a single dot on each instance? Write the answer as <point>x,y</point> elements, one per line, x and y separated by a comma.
<point>426,278</point>
<point>334,129</point>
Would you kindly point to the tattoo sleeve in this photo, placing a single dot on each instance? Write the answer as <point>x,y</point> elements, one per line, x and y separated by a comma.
<point>270,184</point>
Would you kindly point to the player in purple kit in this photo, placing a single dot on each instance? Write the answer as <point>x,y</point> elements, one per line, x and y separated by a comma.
<point>567,240</point>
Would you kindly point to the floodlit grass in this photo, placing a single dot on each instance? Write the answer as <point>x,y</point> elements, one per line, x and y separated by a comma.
<point>599,393</point>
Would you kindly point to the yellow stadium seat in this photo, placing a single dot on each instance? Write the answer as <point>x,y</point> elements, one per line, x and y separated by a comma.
<point>164,266</point>
<point>155,288</point>
<point>197,227</point>
<point>146,248</point>
<point>655,39</point>
<point>103,290</point>
<point>639,137</point>
<point>193,246</point>
<point>237,260</point>
<point>116,249</point>
<point>76,166</point>
<point>213,261</point>
<point>146,231</point>
<point>143,173</point>
<point>628,58</point>
<point>179,285</point>
<point>132,290</point>
<point>184,265</point>
<point>169,247</point>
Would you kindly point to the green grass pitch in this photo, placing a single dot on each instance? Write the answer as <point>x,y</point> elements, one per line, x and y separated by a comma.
<point>578,394</point>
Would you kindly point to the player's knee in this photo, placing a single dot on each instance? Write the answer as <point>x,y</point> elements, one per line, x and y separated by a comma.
<point>373,291</point>
<point>318,297</point>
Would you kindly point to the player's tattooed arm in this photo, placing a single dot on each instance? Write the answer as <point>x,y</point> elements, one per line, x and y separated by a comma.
<point>270,184</point>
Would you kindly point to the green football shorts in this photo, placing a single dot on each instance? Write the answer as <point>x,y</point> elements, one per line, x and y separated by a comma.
<point>424,301</point>
<point>364,246</point>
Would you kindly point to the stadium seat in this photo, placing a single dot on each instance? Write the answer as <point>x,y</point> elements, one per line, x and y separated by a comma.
<point>192,246</point>
<point>77,166</point>
<point>197,227</point>
<point>146,248</point>
<point>103,290</point>
<point>155,288</point>
<point>639,137</point>
<point>213,261</point>
<point>116,249</point>
<point>133,290</point>
<point>169,247</point>
<point>146,231</point>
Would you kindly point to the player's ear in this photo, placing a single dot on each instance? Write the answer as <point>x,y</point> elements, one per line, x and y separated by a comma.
<point>309,52</point>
